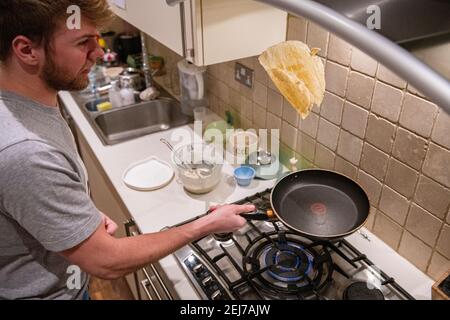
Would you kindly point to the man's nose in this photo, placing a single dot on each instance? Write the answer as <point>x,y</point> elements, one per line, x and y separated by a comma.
<point>96,52</point>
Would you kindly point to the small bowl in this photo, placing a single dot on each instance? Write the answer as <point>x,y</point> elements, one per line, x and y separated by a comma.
<point>244,175</point>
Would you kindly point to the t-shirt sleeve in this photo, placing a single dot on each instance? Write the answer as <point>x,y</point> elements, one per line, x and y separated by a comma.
<point>41,190</point>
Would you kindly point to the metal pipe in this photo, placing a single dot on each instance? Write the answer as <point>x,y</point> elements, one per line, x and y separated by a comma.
<point>394,57</point>
<point>391,55</point>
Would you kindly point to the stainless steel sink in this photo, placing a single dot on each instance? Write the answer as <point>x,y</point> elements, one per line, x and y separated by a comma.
<point>133,121</point>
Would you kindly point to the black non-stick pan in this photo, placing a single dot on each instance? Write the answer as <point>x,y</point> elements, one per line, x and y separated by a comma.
<point>318,204</point>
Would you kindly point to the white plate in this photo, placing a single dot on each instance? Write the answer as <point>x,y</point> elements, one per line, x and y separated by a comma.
<point>149,174</point>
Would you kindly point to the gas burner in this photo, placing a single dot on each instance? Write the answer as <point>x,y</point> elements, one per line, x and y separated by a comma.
<point>279,262</point>
<point>362,291</point>
<point>288,262</point>
<point>223,237</point>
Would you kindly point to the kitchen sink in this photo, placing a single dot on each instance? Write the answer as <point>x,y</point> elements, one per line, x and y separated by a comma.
<point>129,122</point>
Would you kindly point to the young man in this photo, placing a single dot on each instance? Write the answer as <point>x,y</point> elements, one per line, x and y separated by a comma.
<point>47,220</point>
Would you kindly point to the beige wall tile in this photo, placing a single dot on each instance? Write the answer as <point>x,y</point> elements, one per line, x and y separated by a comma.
<point>336,78</point>
<point>436,164</point>
<point>354,119</point>
<point>274,102</point>
<point>374,161</point>
<point>380,133</point>
<point>247,108</point>
<point>273,122</point>
<point>433,197</point>
<point>394,205</point>
<point>297,28</point>
<point>386,75</point>
<point>259,116</point>
<point>288,135</point>
<point>363,63</point>
<point>418,115</point>
<point>360,89</point>
<point>235,99</point>
<point>439,265</point>
<point>328,134</point>
<point>448,217</point>
<point>350,147</point>
<point>415,251</point>
<point>346,168</point>
<point>401,178</point>
<point>306,146</point>
<point>443,245</point>
<point>324,158</point>
<point>309,125</point>
<point>387,101</point>
<point>317,38</point>
<point>224,92</point>
<point>415,91</point>
<point>409,148</point>
<point>290,114</point>
<point>260,94</point>
<point>423,225</point>
<point>371,186</point>
<point>339,50</point>
<point>387,230</point>
<point>261,75</point>
<point>332,107</point>
<point>441,131</point>
<point>371,219</point>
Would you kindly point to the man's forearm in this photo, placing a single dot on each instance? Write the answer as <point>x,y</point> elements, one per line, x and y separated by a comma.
<point>133,253</point>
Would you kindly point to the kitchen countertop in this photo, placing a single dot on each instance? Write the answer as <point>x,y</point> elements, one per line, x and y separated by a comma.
<point>155,210</point>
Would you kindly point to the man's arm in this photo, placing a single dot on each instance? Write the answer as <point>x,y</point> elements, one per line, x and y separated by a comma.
<point>106,257</point>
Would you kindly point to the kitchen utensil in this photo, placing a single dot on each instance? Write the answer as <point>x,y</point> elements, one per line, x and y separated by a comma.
<point>266,164</point>
<point>149,174</point>
<point>127,44</point>
<point>192,86</point>
<point>318,204</point>
<point>199,167</point>
<point>244,175</point>
<point>131,77</point>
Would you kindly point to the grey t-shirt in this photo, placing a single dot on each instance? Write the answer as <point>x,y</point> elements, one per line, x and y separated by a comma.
<point>44,205</point>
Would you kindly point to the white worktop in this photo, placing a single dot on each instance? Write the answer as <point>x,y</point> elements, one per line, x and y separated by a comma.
<point>154,210</point>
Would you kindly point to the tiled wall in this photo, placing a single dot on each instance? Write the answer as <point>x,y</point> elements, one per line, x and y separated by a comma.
<point>372,126</point>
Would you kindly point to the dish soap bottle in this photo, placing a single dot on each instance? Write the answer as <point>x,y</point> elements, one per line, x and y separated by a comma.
<point>114,95</point>
<point>127,94</point>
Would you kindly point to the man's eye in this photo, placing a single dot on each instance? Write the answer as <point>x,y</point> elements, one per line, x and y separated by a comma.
<point>83,43</point>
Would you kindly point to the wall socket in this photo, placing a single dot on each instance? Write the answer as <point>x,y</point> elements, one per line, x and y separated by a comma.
<point>243,75</point>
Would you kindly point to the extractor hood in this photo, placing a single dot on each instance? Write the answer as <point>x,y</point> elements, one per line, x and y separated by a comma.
<point>402,21</point>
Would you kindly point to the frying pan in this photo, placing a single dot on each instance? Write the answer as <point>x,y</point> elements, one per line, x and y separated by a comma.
<point>318,204</point>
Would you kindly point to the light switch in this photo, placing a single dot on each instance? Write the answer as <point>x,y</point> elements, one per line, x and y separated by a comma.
<point>244,75</point>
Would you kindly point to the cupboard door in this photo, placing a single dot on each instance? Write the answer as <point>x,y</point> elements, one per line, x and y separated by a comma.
<point>236,29</point>
<point>159,20</point>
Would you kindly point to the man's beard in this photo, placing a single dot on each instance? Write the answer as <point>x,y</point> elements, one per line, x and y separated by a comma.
<point>59,79</point>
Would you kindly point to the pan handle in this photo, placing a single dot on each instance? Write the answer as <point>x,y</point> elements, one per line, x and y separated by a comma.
<point>258,215</point>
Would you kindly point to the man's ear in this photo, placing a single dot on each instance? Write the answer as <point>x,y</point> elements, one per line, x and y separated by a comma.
<point>25,50</point>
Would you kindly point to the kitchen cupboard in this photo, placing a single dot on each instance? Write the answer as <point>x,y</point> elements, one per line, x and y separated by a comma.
<point>207,31</point>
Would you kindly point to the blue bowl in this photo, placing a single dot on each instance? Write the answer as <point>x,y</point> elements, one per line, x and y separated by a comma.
<point>244,175</point>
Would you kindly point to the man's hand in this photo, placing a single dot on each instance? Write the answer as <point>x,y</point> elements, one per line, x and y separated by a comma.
<point>226,218</point>
<point>110,226</point>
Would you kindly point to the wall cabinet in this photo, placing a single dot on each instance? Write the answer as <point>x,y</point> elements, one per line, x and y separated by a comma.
<point>207,31</point>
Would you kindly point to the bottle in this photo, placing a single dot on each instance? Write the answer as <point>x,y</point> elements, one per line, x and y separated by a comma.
<point>127,94</point>
<point>114,95</point>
